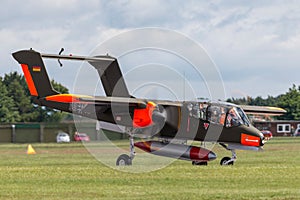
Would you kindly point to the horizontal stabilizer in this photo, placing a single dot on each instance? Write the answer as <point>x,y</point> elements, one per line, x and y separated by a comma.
<point>83,58</point>
<point>108,70</point>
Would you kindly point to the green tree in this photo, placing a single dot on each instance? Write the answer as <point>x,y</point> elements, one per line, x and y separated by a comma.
<point>59,87</point>
<point>15,91</point>
<point>8,109</point>
<point>290,101</point>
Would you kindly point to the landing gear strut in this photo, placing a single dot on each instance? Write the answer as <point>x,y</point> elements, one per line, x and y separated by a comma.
<point>228,160</point>
<point>124,159</point>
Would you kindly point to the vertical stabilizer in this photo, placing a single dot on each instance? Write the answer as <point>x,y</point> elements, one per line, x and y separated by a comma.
<point>35,73</point>
<point>111,78</point>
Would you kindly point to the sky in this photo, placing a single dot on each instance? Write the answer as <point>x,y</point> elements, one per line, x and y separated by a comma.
<point>254,45</point>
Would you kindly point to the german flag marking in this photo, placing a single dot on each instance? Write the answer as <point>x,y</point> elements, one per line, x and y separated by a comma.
<point>36,68</point>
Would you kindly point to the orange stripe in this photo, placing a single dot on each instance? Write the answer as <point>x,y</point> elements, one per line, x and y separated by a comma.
<point>64,98</point>
<point>29,80</point>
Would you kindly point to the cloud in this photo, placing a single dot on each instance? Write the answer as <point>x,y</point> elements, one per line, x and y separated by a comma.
<point>247,40</point>
<point>254,46</point>
<point>134,14</point>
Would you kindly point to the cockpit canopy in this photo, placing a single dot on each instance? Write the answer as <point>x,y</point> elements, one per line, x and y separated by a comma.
<point>228,115</point>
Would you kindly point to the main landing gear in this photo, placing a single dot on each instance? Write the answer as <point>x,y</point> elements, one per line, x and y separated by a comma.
<point>228,160</point>
<point>124,159</point>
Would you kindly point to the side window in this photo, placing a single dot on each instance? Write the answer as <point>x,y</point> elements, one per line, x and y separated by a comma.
<point>212,114</point>
<point>283,128</point>
<point>216,114</point>
<point>194,110</point>
<point>287,128</point>
<point>279,128</point>
<point>197,110</point>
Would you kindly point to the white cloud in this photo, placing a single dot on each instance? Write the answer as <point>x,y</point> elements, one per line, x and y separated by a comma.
<point>292,43</point>
<point>247,40</point>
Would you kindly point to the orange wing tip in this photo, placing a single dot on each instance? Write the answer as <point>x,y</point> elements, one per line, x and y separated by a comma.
<point>151,104</point>
<point>249,140</point>
<point>66,98</point>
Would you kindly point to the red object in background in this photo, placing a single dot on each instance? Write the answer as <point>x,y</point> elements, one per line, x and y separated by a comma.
<point>81,137</point>
<point>267,134</point>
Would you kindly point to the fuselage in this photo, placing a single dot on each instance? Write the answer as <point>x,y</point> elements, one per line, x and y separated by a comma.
<point>200,121</point>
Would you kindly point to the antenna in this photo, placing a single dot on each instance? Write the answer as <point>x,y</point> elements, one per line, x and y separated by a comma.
<point>61,50</point>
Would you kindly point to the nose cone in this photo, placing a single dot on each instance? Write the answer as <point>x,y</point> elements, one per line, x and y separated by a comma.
<point>262,140</point>
<point>212,156</point>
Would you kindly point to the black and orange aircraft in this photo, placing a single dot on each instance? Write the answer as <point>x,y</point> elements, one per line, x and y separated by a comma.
<point>165,122</point>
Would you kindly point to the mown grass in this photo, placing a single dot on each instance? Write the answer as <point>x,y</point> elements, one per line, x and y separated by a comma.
<point>68,171</point>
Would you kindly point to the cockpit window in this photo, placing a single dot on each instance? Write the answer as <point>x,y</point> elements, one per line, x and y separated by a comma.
<point>236,117</point>
<point>218,114</point>
<point>243,116</point>
<point>198,110</point>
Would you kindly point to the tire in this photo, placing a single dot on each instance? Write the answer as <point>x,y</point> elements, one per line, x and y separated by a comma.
<point>123,160</point>
<point>224,161</point>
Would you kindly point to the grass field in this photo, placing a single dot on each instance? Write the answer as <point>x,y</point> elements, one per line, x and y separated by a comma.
<point>68,171</point>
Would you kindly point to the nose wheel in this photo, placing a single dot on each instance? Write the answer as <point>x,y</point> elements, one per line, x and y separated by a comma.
<point>124,159</point>
<point>228,160</point>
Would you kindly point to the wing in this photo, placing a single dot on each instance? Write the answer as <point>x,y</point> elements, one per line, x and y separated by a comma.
<point>263,110</point>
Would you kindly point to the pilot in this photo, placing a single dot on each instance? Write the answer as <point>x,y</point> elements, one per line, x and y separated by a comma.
<point>232,119</point>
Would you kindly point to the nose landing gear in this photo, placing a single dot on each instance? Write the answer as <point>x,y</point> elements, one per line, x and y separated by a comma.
<point>228,160</point>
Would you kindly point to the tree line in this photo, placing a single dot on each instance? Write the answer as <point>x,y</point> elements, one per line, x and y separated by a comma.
<point>16,104</point>
<point>290,101</point>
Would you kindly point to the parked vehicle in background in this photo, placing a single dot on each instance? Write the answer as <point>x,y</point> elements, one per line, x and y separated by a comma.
<point>62,137</point>
<point>81,137</point>
<point>268,134</point>
<point>297,132</point>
